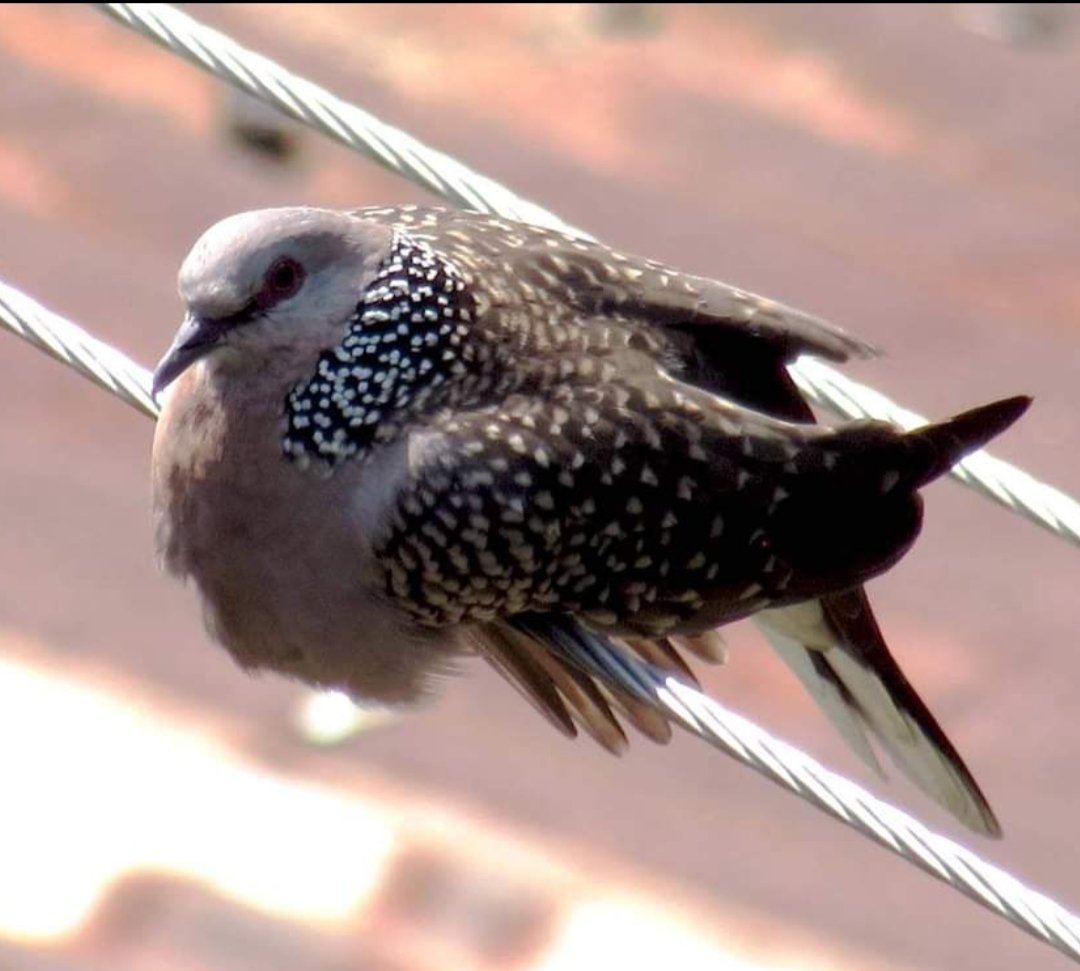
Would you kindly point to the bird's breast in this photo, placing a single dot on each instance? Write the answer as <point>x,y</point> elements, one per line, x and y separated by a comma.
<point>278,555</point>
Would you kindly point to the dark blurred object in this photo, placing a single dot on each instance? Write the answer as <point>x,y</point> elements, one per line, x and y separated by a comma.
<point>627,19</point>
<point>260,129</point>
<point>1019,24</point>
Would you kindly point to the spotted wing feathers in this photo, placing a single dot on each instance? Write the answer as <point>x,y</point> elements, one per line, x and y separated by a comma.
<point>566,277</point>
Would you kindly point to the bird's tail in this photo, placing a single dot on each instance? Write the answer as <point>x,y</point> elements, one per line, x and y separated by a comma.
<point>859,511</point>
<point>836,649</point>
<point>946,442</point>
<point>866,514</point>
<point>876,458</point>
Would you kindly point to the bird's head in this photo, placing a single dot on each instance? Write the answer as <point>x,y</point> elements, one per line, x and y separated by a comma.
<point>262,282</point>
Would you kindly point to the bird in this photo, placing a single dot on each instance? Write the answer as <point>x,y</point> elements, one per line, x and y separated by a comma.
<point>395,437</point>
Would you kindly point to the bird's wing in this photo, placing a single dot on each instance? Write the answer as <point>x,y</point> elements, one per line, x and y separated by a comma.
<point>834,645</point>
<point>627,503</point>
<point>636,513</point>
<point>571,276</point>
<point>582,504</point>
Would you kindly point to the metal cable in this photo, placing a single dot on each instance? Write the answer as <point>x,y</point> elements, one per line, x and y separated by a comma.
<point>73,346</point>
<point>401,153</point>
<point>841,798</point>
<point>315,106</point>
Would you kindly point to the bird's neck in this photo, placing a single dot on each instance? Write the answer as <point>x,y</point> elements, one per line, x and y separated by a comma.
<point>409,350</point>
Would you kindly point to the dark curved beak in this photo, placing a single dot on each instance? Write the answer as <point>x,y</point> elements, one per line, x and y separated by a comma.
<point>195,338</point>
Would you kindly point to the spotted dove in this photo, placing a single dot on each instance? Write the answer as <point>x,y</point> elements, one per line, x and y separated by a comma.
<point>395,436</point>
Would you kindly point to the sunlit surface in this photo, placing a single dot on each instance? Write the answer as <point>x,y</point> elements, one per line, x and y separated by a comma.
<point>622,934</point>
<point>330,717</point>
<point>99,788</point>
<point>96,787</point>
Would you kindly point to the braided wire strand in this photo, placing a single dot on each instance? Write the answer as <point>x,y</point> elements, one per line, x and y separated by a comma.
<point>315,106</point>
<point>839,797</point>
<point>887,825</point>
<point>835,795</point>
<point>73,346</point>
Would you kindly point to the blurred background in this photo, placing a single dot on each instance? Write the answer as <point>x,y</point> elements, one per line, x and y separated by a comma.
<point>909,171</point>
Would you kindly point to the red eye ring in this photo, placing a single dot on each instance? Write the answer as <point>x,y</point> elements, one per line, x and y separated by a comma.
<point>281,281</point>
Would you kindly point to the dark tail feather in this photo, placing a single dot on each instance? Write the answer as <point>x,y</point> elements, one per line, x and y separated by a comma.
<point>836,649</point>
<point>947,442</point>
<point>883,697</point>
<point>852,518</point>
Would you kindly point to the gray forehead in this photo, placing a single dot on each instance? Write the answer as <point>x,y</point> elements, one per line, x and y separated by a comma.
<point>230,258</point>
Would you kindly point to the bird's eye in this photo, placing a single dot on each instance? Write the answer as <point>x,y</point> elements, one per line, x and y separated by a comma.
<point>282,280</point>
